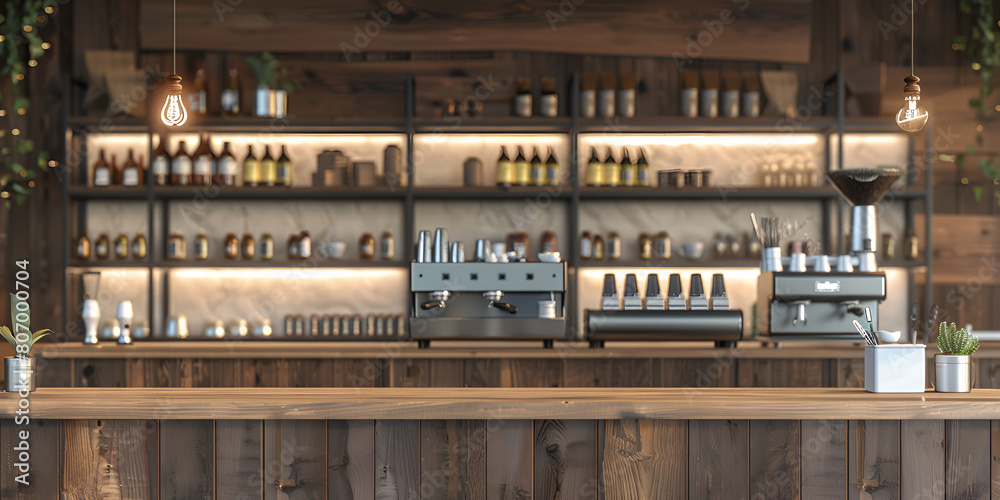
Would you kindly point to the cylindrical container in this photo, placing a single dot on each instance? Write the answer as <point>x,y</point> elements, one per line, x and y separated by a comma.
<point>482,250</point>
<point>598,247</point>
<point>888,246</point>
<point>750,104</point>
<point>689,102</point>
<point>176,248</point>
<point>606,103</point>
<point>798,264</point>
<point>548,105</point>
<point>771,260</point>
<point>388,246</point>
<point>121,246</point>
<point>586,245</point>
<point>232,246</point>
<point>645,247</point>
<point>730,103</point>
<point>423,246</point>
<point>266,246</point>
<point>19,374</point>
<point>457,252</point>
<point>614,246</point>
<point>440,250</point>
<point>280,103</point>
<point>694,178</point>
<point>952,373</point>
<point>588,103</point>
<point>366,246</point>
<point>626,102</point>
<point>393,171</point>
<point>91,319</point>
<point>201,247</point>
<point>547,309</point>
<point>125,321</point>
<point>262,101</point>
<point>671,178</point>
<point>822,264</point>
<point>472,171</point>
<point>500,251</point>
<point>248,247</point>
<point>661,246</point>
<point>522,104</point>
<point>709,103</point>
<point>177,327</point>
<point>305,245</point>
<point>706,178</point>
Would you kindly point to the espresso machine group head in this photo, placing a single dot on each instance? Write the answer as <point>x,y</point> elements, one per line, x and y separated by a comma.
<point>794,303</point>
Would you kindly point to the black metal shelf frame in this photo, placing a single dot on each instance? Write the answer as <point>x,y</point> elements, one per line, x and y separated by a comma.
<point>75,195</point>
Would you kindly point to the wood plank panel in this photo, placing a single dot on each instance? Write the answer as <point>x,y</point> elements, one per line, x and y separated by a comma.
<point>967,459</point>
<point>295,459</point>
<point>397,459</point>
<point>508,459</point>
<point>850,372</point>
<point>780,373</point>
<point>873,459</point>
<point>239,460</point>
<point>100,373</point>
<point>351,459</point>
<point>565,459</point>
<point>695,373</point>
<point>922,464</point>
<point>775,459</point>
<point>453,459</point>
<point>995,462</point>
<point>427,373</point>
<point>187,459</point>
<point>824,459</point>
<point>718,459</point>
<point>586,373</point>
<point>79,456</point>
<point>43,457</point>
<point>53,372</point>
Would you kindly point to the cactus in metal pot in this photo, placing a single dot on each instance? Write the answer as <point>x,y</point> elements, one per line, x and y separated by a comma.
<point>955,341</point>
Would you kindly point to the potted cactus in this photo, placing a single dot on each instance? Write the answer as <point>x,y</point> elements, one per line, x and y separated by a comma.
<point>953,368</point>
<point>19,369</point>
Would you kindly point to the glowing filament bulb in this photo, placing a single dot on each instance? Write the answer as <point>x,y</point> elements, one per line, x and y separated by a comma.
<point>173,113</point>
<point>912,116</point>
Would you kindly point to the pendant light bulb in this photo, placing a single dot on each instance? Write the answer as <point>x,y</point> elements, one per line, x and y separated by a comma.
<point>173,113</point>
<point>912,116</point>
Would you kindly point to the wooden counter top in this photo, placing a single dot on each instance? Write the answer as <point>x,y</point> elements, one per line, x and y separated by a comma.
<point>232,349</point>
<point>501,403</point>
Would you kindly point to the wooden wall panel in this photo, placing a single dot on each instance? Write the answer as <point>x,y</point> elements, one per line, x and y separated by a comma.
<point>295,459</point>
<point>565,459</point>
<point>187,459</point>
<point>995,462</point>
<point>108,457</point>
<point>824,459</point>
<point>453,459</point>
<point>643,459</point>
<point>774,459</point>
<point>427,373</point>
<point>873,459</point>
<point>967,459</point>
<point>53,372</point>
<point>509,459</point>
<point>44,451</point>
<point>397,459</point>
<point>718,456</point>
<point>921,461</point>
<point>695,373</point>
<point>780,373</point>
<point>239,460</point>
<point>584,372</point>
<point>357,461</point>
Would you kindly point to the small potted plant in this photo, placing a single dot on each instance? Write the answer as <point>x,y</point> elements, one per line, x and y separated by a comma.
<point>19,369</point>
<point>274,83</point>
<point>953,369</point>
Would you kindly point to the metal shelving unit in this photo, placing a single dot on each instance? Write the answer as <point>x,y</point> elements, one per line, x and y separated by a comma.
<point>76,194</point>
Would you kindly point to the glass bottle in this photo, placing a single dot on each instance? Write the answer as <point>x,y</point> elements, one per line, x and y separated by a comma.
<point>661,248</point>
<point>268,168</point>
<point>139,246</point>
<point>630,171</point>
<point>522,169</point>
<point>388,246</point>
<point>505,169</point>
<point>293,246</point>
<point>232,246</point>
<point>598,247</point>
<point>231,94</point>
<point>645,247</point>
<point>131,171</point>
<point>198,98</point>
<point>552,169</point>
<point>181,166</point>
<point>642,170</point>
<point>102,247</point>
<point>121,247</point>
<point>284,167</point>
<point>102,173</point>
<point>614,246</point>
<point>226,168</point>
<point>82,250</point>
<point>251,169</point>
<point>612,170</point>
<point>367,246</point>
<point>586,245</point>
<point>537,170</point>
<point>249,248</point>
<point>204,163</point>
<point>201,247</point>
<point>266,246</point>
<point>549,242</point>
<point>176,247</point>
<point>595,169</point>
<point>160,168</point>
<point>911,245</point>
<point>305,245</point>
<point>116,174</point>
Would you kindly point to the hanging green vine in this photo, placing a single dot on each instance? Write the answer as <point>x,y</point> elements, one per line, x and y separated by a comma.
<point>20,48</point>
<point>982,49</point>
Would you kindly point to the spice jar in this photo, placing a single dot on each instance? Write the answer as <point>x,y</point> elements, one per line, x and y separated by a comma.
<point>549,242</point>
<point>888,246</point>
<point>232,247</point>
<point>201,247</point>
<point>139,246</point>
<point>366,247</point>
<point>83,247</point>
<point>614,246</point>
<point>388,246</point>
<point>911,245</point>
<point>586,245</point>
<point>266,246</point>
<point>176,247</point>
<point>248,247</point>
<point>661,248</point>
<point>305,245</point>
<point>102,247</point>
<point>293,247</point>
<point>121,246</point>
<point>598,247</point>
<point>645,247</point>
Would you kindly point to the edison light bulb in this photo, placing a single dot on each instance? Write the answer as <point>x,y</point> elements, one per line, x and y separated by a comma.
<point>173,113</point>
<point>912,117</point>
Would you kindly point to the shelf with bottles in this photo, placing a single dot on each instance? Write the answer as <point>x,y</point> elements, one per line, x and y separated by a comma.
<point>502,161</point>
<point>673,262</point>
<point>281,264</point>
<point>107,193</point>
<point>241,125</point>
<point>103,251</point>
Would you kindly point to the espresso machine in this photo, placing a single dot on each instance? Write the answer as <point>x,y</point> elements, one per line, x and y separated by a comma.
<point>818,297</point>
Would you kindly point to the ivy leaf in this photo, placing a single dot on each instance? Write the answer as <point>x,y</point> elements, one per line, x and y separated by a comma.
<point>25,146</point>
<point>22,102</point>
<point>977,193</point>
<point>18,188</point>
<point>970,150</point>
<point>43,159</point>
<point>20,199</point>
<point>979,138</point>
<point>16,167</point>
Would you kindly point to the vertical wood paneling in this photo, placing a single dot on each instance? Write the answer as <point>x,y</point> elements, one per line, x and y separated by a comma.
<point>922,464</point>
<point>995,462</point>
<point>43,448</point>
<point>79,458</point>
<point>644,459</point>
<point>824,459</point>
<point>873,459</point>
<point>427,373</point>
<point>106,457</point>
<point>238,447</point>
<point>100,373</point>
<point>187,459</point>
<point>508,459</point>
<point>295,459</point>
<point>967,459</point>
<point>453,459</point>
<point>397,459</point>
<point>774,458</point>
<point>850,373</point>
<point>54,372</point>
<point>695,373</point>
<point>586,372</point>
<point>717,467</point>
<point>351,452</point>
<point>780,373</point>
<point>565,459</point>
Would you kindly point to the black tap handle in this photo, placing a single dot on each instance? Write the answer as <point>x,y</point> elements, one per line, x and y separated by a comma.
<point>631,285</point>
<point>503,306</point>
<point>674,287</point>
<point>718,285</point>
<point>697,288</point>
<point>610,288</point>
<point>652,285</point>
<point>430,305</point>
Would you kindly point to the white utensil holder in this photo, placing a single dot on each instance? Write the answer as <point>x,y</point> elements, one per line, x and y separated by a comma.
<point>895,368</point>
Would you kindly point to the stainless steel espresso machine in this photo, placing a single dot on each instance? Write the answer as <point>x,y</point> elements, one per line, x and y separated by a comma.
<point>818,297</point>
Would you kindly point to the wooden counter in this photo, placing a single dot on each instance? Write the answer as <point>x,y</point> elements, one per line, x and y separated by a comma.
<point>503,404</point>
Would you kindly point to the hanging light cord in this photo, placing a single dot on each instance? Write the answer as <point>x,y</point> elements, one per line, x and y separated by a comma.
<point>175,36</point>
<point>913,39</point>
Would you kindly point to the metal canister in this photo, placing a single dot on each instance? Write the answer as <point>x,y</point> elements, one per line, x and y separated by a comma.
<point>671,178</point>
<point>440,250</point>
<point>482,250</point>
<point>457,252</point>
<point>388,246</point>
<point>661,247</point>
<point>472,171</point>
<point>423,252</point>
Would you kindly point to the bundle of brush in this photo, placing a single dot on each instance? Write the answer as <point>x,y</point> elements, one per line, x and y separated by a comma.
<point>769,230</point>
